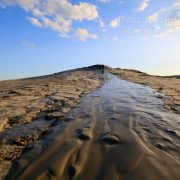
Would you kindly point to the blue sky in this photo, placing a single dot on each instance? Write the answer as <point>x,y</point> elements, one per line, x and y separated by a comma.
<point>40,37</point>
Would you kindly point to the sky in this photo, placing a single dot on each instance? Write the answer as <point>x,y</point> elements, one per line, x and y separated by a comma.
<point>39,37</point>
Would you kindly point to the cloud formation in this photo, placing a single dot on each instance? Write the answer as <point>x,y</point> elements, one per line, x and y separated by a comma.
<point>104,1</point>
<point>114,23</point>
<point>60,15</point>
<point>28,44</point>
<point>143,5</point>
<point>57,14</point>
<point>84,34</point>
<point>165,23</point>
<point>35,21</point>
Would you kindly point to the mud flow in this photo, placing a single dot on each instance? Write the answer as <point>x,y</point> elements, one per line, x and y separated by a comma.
<point>119,131</point>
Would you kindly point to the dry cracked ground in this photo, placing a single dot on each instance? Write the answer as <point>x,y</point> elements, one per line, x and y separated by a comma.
<point>85,124</point>
<point>30,107</point>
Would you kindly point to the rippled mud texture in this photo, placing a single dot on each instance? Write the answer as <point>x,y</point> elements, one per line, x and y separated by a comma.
<point>168,85</point>
<point>31,108</point>
<point>120,131</point>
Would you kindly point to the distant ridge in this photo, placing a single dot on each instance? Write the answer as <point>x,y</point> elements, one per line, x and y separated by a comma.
<point>90,68</point>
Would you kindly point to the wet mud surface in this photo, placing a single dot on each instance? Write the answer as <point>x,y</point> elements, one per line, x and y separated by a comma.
<point>168,85</point>
<point>119,131</point>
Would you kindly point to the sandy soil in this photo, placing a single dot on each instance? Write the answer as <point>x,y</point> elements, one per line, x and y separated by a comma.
<point>52,129</point>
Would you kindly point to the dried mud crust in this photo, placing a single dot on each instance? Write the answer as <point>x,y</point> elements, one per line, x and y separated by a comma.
<point>30,107</point>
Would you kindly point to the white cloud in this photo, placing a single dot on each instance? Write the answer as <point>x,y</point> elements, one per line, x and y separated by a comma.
<point>59,24</point>
<point>35,21</point>
<point>167,24</point>
<point>143,5</point>
<point>153,17</point>
<point>81,11</point>
<point>55,14</point>
<point>104,1</point>
<point>177,4</point>
<point>101,23</point>
<point>84,34</point>
<point>114,23</point>
<point>28,44</point>
<point>25,4</point>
